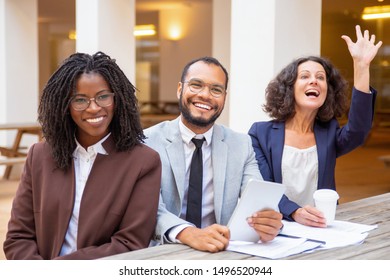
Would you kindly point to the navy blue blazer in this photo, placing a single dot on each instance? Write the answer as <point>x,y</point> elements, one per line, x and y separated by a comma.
<point>331,140</point>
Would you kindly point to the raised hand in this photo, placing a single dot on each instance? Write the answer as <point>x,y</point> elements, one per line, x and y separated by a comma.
<point>364,49</point>
<point>363,52</point>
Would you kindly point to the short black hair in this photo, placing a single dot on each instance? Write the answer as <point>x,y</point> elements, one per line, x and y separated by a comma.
<point>207,60</point>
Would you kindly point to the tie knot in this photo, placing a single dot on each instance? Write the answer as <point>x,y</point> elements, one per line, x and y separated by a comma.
<point>198,142</point>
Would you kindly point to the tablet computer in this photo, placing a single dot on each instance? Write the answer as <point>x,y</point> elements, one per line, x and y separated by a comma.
<point>257,195</point>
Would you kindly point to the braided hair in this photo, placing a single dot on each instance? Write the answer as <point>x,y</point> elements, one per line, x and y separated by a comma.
<point>58,127</point>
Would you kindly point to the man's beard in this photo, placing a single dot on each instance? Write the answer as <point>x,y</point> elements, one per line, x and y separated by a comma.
<point>201,122</point>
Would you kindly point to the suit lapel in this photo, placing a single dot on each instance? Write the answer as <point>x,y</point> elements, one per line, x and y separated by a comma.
<point>176,155</point>
<point>219,159</point>
<point>321,135</point>
<point>277,143</point>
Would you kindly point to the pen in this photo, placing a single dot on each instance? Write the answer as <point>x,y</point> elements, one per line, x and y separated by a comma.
<point>308,239</point>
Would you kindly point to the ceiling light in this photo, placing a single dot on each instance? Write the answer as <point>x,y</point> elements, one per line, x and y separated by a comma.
<point>376,12</point>
<point>144,30</point>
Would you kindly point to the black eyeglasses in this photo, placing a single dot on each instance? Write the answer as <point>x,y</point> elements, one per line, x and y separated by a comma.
<point>80,102</point>
<point>197,86</point>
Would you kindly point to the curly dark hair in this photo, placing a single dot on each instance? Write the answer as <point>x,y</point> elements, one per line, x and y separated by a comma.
<point>280,101</point>
<point>58,126</point>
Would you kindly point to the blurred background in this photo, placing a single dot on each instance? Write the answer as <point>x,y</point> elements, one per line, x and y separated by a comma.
<point>153,39</point>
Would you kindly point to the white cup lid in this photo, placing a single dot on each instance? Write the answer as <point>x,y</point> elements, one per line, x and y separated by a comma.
<point>325,194</point>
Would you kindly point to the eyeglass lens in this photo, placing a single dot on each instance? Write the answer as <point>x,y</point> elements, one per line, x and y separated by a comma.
<point>198,86</point>
<point>80,102</point>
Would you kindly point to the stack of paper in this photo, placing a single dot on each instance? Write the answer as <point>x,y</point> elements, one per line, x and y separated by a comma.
<point>278,248</point>
<point>338,234</point>
<point>296,238</point>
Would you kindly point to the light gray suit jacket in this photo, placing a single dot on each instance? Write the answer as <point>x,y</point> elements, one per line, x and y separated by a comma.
<point>233,162</point>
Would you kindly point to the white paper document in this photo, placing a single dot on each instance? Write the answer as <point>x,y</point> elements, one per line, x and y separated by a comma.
<point>258,195</point>
<point>296,238</point>
<point>339,234</point>
<point>278,248</point>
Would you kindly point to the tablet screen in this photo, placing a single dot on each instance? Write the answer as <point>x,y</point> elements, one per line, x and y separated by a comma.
<point>257,195</point>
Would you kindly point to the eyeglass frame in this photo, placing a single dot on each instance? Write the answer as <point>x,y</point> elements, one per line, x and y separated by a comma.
<point>89,100</point>
<point>204,86</point>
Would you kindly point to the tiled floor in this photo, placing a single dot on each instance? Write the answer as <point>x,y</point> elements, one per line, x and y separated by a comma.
<point>359,174</point>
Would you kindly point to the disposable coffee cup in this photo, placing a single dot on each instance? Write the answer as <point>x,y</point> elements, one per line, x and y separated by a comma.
<point>326,201</point>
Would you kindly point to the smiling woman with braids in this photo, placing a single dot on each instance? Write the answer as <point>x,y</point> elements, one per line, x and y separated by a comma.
<point>92,188</point>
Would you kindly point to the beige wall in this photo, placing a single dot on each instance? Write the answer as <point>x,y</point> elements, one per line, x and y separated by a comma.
<point>195,21</point>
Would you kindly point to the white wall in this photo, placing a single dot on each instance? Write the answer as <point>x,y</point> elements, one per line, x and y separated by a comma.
<point>107,25</point>
<point>299,33</point>
<point>19,63</point>
<point>3,95</point>
<point>252,60</point>
<point>18,66</point>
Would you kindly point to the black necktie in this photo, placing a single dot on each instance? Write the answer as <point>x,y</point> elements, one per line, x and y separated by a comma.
<point>194,199</point>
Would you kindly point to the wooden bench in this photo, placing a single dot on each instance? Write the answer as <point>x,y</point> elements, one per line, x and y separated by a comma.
<point>14,154</point>
<point>12,161</point>
<point>386,160</point>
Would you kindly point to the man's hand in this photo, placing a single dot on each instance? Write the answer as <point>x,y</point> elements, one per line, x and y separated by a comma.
<point>266,223</point>
<point>309,216</point>
<point>213,238</point>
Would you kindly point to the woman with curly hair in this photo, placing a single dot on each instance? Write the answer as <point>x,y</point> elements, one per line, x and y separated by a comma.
<point>91,189</point>
<point>299,146</point>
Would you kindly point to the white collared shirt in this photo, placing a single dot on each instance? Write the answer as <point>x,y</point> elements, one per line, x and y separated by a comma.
<point>208,215</point>
<point>83,162</point>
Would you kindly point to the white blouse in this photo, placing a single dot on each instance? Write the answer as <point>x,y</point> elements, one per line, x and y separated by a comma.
<point>300,174</point>
<point>83,162</point>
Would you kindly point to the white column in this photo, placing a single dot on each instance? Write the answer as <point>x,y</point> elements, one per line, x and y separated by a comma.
<point>265,36</point>
<point>19,62</point>
<point>107,26</point>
